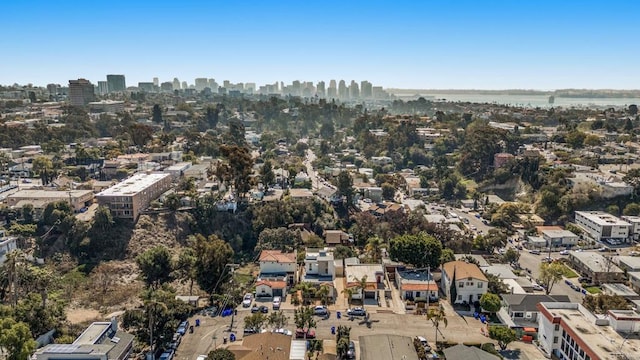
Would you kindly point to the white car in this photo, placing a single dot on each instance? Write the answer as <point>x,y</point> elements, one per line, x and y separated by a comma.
<point>201,357</point>
<point>564,252</point>
<point>246,301</point>
<point>537,287</point>
<point>276,302</point>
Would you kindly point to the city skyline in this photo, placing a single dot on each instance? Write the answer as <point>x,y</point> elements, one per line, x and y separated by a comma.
<point>462,45</point>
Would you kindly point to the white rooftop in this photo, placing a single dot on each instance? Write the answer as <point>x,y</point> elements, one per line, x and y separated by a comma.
<point>602,218</point>
<point>134,184</point>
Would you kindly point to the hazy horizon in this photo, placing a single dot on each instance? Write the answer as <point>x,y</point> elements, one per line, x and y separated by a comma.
<point>462,45</point>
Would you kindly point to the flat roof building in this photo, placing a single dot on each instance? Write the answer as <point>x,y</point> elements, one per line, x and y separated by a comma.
<point>39,199</point>
<point>81,92</point>
<point>597,268</point>
<point>570,331</point>
<point>100,341</point>
<point>127,198</point>
<point>600,225</point>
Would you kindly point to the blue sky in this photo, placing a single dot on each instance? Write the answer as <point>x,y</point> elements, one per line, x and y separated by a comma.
<point>535,44</point>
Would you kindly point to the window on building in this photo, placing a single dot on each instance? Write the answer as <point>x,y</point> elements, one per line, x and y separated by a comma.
<point>417,293</point>
<point>557,327</point>
<point>518,314</point>
<point>479,285</point>
<point>459,297</point>
<point>461,284</point>
<point>555,339</point>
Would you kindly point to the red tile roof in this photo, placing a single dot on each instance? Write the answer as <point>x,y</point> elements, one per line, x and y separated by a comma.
<point>278,256</point>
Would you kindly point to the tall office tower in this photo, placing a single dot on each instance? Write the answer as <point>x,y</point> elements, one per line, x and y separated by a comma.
<point>166,86</point>
<point>332,92</point>
<point>116,83</point>
<point>213,85</point>
<point>185,86</point>
<point>366,89</point>
<point>146,86</point>
<point>156,81</point>
<point>320,89</point>
<point>354,90</point>
<point>103,87</point>
<point>176,84</point>
<point>201,83</point>
<point>250,88</point>
<point>343,92</point>
<point>296,89</point>
<point>81,92</point>
<point>226,84</point>
<point>53,89</point>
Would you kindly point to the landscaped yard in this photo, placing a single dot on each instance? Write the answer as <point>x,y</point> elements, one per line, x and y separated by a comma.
<point>593,290</point>
<point>568,273</point>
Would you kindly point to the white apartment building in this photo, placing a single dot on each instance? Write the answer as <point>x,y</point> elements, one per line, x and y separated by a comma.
<point>602,226</point>
<point>275,264</point>
<point>7,244</point>
<point>635,226</point>
<point>570,331</point>
<point>470,282</point>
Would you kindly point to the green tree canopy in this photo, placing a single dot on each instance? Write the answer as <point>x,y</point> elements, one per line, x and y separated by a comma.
<point>221,354</point>
<point>490,302</point>
<point>213,255</point>
<point>155,265</point>
<point>419,250</point>
<point>550,274</point>
<point>15,339</point>
<point>503,334</point>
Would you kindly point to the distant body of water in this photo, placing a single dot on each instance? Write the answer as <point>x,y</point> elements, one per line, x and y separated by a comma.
<point>537,100</point>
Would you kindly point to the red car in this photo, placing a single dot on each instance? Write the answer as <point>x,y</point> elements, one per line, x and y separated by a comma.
<point>311,334</point>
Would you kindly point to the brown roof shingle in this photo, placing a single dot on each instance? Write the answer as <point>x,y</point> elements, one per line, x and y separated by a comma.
<point>463,270</point>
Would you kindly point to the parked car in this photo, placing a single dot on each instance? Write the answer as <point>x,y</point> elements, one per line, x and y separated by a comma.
<point>320,310</point>
<point>425,343</point>
<point>276,302</point>
<point>564,252</point>
<point>201,357</point>
<point>249,331</point>
<point>175,342</point>
<point>311,334</point>
<point>351,353</point>
<point>255,308</point>
<point>246,301</point>
<point>182,328</point>
<point>603,249</point>
<point>535,252</point>
<point>357,311</point>
<point>264,309</point>
<point>537,287</point>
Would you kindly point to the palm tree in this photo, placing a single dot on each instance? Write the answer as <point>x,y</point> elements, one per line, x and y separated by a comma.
<point>437,316</point>
<point>360,286</point>
<point>373,248</point>
<point>13,260</point>
<point>348,292</point>
<point>323,293</point>
<point>305,288</point>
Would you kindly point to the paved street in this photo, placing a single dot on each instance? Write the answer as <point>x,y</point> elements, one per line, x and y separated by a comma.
<point>532,262</point>
<point>459,329</point>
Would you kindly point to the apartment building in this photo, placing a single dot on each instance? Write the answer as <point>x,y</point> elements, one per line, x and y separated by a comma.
<point>127,198</point>
<point>39,199</point>
<point>469,282</point>
<point>602,226</point>
<point>595,267</point>
<point>570,331</point>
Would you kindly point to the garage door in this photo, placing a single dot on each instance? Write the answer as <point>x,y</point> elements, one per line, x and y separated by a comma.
<point>370,294</point>
<point>277,292</point>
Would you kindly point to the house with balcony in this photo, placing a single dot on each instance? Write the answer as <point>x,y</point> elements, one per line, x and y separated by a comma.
<point>319,265</point>
<point>463,282</point>
<point>276,265</point>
